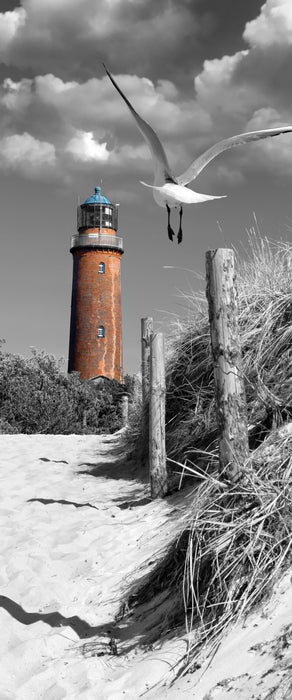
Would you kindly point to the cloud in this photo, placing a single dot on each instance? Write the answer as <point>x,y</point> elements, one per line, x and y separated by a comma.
<point>90,121</point>
<point>71,38</point>
<point>273,154</point>
<point>16,96</point>
<point>10,24</point>
<point>49,85</point>
<point>251,89</point>
<point>84,120</point>
<point>25,154</point>
<point>272,26</point>
<point>165,39</point>
<point>84,148</point>
<point>219,93</point>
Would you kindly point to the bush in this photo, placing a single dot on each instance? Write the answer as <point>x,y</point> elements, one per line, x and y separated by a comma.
<point>36,396</point>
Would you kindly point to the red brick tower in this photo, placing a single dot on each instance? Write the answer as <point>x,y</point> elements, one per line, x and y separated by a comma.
<point>96,321</point>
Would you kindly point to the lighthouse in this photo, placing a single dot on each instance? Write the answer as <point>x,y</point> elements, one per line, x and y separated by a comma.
<point>96,321</point>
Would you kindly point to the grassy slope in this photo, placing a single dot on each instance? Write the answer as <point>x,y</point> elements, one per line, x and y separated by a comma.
<point>233,545</point>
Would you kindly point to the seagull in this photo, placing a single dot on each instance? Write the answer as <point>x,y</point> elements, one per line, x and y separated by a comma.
<point>172,192</point>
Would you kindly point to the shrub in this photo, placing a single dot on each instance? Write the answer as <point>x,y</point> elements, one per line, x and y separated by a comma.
<point>36,396</point>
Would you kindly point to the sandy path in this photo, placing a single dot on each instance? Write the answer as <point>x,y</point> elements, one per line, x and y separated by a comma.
<point>66,550</point>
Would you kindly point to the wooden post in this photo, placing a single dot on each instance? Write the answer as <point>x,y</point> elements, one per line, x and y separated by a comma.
<point>125,410</point>
<point>146,333</point>
<point>137,388</point>
<point>229,386</point>
<point>157,453</point>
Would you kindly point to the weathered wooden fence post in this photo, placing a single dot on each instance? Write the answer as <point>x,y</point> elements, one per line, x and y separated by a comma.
<point>125,410</point>
<point>229,386</point>
<point>146,333</point>
<point>157,452</point>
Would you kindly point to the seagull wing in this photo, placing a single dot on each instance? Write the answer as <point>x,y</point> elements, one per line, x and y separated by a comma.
<point>200,163</point>
<point>162,170</point>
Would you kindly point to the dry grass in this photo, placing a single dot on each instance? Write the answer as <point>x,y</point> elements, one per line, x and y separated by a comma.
<point>264,283</point>
<point>233,543</point>
<point>228,553</point>
<point>238,542</point>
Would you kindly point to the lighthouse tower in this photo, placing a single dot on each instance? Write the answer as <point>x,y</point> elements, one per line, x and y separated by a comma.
<point>96,324</point>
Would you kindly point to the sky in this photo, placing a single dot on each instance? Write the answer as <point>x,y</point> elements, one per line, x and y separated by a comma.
<point>198,71</point>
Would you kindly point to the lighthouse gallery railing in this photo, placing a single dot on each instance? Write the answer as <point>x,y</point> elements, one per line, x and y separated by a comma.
<point>98,240</point>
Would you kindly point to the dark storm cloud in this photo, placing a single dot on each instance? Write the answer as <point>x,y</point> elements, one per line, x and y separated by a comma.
<point>167,39</point>
<point>268,70</point>
<point>171,40</point>
<point>71,39</point>
<point>229,18</point>
<point>8,5</point>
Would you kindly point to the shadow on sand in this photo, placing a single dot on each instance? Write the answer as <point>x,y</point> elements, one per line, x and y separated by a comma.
<point>47,501</point>
<point>133,503</point>
<point>56,461</point>
<point>54,619</point>
<point>141,630</point>
<point>123,468</point>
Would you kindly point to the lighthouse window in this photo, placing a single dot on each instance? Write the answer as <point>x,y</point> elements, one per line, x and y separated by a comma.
<point>100,332</point>
<point>101,268</point>
<point>107,211</point>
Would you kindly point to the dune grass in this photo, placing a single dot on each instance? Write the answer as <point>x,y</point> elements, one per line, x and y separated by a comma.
<point>238,543</point>
<point>264,282</point>
<point>233,543</point>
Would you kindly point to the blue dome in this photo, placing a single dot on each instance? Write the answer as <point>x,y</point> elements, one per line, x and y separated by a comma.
<point>97,198</point>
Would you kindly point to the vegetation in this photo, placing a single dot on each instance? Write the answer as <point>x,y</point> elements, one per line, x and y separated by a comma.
<point>234,542</point>
<point>36,396</point>
<point>265,311</point>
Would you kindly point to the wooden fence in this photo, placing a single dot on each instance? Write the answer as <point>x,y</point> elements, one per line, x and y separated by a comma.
<point>221,294</point>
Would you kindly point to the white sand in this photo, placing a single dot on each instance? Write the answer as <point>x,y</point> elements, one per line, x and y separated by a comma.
<point>64,568</point>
